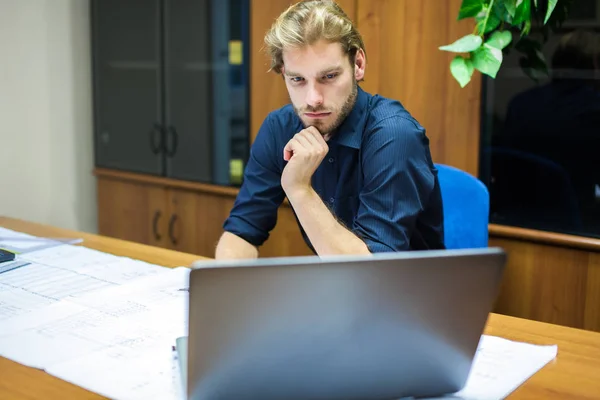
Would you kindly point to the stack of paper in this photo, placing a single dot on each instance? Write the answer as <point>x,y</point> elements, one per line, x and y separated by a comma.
<point>100,321</point>
<point>501,365</point>
<point>108,323</point>
<point>64,272</point>
<point>116,341</point>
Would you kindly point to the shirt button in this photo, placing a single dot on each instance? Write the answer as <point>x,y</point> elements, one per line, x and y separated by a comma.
<point>331,200</point>
<point>331,159</point>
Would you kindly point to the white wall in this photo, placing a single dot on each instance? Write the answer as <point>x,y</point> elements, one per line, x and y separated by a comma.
<point>46,143</point>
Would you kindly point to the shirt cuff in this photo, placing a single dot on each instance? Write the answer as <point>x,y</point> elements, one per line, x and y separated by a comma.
<point>242,228</point>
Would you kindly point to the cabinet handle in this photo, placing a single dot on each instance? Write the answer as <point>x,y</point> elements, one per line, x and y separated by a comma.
<point>157,235</point>
<point>174,141</point>
<point>156,138</point>
<point>171,228</point>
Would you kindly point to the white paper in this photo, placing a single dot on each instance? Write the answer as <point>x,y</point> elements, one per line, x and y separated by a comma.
<point>501,366</point>
<point>149,312</point>
<point>65,272</point>
<point>19,242</point>
<point>17,301</point>
<point>144,372</point>
<point>93,263</point>
<point>15,244</point>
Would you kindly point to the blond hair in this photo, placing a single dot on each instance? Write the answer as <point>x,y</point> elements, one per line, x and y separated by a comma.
<point>307,22</point>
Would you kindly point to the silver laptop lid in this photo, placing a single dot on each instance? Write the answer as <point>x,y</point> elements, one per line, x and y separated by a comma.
<point>385,326</point>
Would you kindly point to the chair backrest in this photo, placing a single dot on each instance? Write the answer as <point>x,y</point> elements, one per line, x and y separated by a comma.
<point>466,204</point>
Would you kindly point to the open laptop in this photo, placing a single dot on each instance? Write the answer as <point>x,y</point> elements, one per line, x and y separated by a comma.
<point>385,326</point>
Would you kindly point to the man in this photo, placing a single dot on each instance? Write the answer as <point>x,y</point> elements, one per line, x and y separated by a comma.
<point>355,168</point>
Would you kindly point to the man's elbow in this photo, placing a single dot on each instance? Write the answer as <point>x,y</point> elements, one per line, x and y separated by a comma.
<point>231,246</point>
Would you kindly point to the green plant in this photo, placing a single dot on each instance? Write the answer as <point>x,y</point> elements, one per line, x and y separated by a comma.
<point>497,23</point>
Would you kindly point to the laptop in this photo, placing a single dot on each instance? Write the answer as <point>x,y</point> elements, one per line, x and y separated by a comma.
<point>384,326</point>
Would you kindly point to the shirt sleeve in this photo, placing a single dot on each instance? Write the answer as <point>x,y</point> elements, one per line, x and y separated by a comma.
<point>397,183</point>
<point>254,213</point>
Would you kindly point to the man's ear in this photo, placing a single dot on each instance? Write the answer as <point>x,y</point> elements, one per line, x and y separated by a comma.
<point>360,64</point>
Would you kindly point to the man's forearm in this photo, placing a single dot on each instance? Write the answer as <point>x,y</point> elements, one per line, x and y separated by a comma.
<point>231,246</point>
<point>326,234</point>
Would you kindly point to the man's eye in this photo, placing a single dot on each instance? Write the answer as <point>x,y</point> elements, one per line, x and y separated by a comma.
<point>330,76</point>
<point>297,79</point>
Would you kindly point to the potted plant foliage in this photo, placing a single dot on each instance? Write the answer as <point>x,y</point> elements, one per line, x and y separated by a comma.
<point>499,26</point>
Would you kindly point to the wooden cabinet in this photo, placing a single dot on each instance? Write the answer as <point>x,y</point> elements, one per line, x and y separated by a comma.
<point>195,220</point>
<point>180,215</point>
<point>132,211</point>
<point>549,277</point>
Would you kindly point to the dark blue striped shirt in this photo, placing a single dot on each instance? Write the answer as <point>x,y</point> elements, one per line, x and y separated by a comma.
<point>378,178</point>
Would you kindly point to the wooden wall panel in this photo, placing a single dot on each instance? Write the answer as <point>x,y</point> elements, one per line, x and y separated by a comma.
<point>403,62</point>
<point>552,284</point>
<point>267,89</point>
<point>591,315</point>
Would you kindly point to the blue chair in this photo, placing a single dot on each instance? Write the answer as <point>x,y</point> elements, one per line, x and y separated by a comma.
<point>466,203</point>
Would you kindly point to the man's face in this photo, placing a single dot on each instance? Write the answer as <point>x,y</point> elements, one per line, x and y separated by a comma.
<point>322,84</point>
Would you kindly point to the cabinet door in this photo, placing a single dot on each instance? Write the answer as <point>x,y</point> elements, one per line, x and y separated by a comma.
<point>132,211</point>
<point>205,88</point>
<point>127,84</point>
<point>188,72</point>
<point>196,220</point>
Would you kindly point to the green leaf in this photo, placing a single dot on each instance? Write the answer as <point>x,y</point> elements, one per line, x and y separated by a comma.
<point>488,20</point>
<point>511,7</point>
<point>487,60</point>
<point>523,12</point>
<point>462,70</point>
<point>504,15</point>
<point>470,8</point>
<point>465,44</point>
<point>535,2</point>
<point>526,28</point>
<point>551,6</point>
<point>499,39</point>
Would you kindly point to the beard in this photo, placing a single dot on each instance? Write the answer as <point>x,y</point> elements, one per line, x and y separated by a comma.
<point>327,129</point>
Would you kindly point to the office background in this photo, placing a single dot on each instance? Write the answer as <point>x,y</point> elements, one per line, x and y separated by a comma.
<point>49,172</point>
<point>46,134</point>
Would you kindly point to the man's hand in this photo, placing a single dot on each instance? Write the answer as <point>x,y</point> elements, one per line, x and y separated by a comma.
<point>304,153</point>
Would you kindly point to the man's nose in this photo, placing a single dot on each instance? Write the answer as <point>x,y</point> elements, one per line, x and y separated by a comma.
<point>314,97</point>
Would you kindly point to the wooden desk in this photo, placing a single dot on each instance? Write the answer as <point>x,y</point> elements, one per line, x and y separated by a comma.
<point>575,373</point>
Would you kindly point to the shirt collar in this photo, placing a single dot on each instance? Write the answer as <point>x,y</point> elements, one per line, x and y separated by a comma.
<point>349,133</point>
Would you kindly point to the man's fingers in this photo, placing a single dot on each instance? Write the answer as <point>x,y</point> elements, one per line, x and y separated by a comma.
<point>309,138</point>
<point>316,139</point>
<point>309,141</point>
<point>314,132</point>
<point>304,141</point>
<point>293,146</point>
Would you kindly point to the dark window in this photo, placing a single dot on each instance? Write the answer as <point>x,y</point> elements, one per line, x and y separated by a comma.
<point>540,148</point>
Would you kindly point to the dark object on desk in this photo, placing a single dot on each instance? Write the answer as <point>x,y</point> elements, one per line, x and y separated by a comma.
<point>6,256</point>
<point>385,326</point>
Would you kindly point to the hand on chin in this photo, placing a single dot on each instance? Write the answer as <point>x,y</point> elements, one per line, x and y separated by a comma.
<point>304,153</point>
